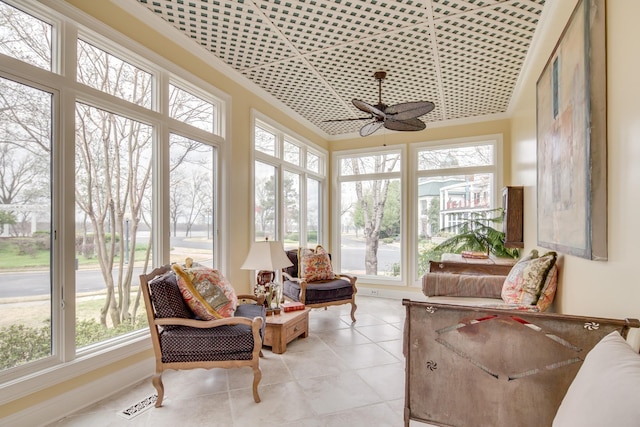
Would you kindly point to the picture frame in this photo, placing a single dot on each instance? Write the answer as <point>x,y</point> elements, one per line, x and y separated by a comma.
<point>571,133</point>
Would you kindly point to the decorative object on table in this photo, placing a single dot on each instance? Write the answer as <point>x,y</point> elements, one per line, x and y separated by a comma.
<point>572,138</point>
<point>474,255</point>
<point>267,257</point>
<point>292,306</point>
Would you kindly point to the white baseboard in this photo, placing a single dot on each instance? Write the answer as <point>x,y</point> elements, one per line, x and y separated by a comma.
<point>414,294</point>
<point>65,404</point>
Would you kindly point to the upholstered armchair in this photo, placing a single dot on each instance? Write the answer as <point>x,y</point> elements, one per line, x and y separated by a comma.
<point>183,341</point>
<point>325,289</point>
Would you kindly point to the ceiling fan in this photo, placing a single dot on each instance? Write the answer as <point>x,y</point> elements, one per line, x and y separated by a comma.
<point>400,117</point>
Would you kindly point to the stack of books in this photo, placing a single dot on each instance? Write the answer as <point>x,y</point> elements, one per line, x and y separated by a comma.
<point>475,255</point>
<point>292,306</point>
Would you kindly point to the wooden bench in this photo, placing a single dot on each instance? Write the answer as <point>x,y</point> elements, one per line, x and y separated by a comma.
<point>473,366</point>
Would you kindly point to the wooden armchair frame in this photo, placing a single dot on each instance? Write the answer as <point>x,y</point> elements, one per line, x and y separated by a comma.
<point>155,324</point>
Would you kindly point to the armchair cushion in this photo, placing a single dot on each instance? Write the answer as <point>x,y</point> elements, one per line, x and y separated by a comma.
<point>292,270</point>
<point>229,342</point>
<point>167,300</point>
<point>207,292</point>
<point>527,278</point>
<point>320,292</point>
<point>315,264</point>
<point>187,344</point>
<point>252,311</point>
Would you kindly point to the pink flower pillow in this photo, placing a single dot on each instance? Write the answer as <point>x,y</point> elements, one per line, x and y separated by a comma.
<point>207,292</point>
<point>528,278</point>
<point>315,264</point>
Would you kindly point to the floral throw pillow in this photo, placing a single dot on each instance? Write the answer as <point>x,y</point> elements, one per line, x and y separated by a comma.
<point>207,292</point>
<point>548,289</point>
<point>315,264</point>
<point>526,280</point>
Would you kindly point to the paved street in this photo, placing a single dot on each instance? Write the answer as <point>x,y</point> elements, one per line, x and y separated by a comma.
<point>38,283</point>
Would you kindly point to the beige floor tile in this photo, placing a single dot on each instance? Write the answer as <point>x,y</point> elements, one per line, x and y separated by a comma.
<point>273,371</point>
<point>343,337</point>
<point>377,415</point>
<point>210,410</point>
<point>379,333</point>
<point>337,393</point>
<point>387,380</point>
<point>342,374</point>
<point>315,363</point>
<point>394,347</point>
<point>281,403</point>
<point>364,356</point>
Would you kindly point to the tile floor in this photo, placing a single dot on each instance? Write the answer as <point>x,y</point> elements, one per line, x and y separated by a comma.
<point>340,375</point>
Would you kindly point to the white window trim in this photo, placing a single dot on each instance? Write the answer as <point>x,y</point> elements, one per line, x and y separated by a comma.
<point>337,179</point>
<point>496,169</point>
<point>261,120</point>
<point>69,23</point>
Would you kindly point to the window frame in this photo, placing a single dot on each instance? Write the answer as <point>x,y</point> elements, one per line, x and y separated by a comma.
<point>415,280</point>
<point>338,179</point>
<point>281,165</point>
<point>69,24</point>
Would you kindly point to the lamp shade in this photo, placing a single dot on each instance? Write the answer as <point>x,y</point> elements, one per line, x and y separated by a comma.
<point>267,255</point>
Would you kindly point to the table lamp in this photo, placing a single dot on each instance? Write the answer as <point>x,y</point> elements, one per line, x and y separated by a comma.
<point>267,257</point>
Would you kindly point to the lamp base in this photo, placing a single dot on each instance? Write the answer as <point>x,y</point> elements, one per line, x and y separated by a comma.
<point>265,276</point>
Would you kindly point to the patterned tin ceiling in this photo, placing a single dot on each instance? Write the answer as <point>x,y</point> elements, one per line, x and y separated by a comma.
<point>315,56</point>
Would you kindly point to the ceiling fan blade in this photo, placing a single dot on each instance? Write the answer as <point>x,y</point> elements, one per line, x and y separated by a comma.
<point>363,106</point>
<point>347,120</point>
<point>409,110</point>
<point>414,124</point>
<point>370,128</point>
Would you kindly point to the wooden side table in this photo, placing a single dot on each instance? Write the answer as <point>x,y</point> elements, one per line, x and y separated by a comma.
<point>283,328</point>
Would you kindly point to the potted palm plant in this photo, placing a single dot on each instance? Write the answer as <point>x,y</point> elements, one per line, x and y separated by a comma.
<point>476,234</point>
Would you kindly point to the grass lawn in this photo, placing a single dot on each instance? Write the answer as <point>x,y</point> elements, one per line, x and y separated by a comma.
<point>35,313</point>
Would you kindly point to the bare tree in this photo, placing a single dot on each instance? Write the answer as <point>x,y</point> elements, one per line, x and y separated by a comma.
<point>25,139</point>
<point>177,200</point>
<point>113,171</point>
<point>372,203</point>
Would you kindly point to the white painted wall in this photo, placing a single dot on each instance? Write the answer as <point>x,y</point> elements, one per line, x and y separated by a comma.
<point>594,288</point>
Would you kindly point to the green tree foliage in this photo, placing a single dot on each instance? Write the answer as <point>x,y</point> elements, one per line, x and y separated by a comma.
<point>433,213</point>
<point>7,218</point>
<point>476,234</point>
<point>20,344</point>
<point>390,225</point>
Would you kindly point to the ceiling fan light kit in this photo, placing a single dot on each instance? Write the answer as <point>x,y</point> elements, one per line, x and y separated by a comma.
<point>401,117</point>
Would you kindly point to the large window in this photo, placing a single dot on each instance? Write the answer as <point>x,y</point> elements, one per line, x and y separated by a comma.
<point>25,223</point>
<point>289,183</point>
<point>454,180</point>
<point>370,219</point>
<point>192,208</point>
<point>99,182</point>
